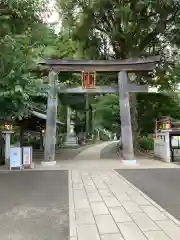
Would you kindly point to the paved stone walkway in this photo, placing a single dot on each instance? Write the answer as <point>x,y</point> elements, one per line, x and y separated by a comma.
<point>90,159</point>
<point>94,152</point>
<point>105,206</point>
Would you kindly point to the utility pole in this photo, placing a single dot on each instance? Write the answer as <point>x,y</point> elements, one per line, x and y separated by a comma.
<point>50,139</point>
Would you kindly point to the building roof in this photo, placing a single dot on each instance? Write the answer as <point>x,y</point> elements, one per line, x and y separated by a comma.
<point>43,116</point>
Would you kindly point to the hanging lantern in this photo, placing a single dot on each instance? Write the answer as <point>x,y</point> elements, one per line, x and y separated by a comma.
<point>8,126</point>
<point>165,124</point>
<point>88,80</point>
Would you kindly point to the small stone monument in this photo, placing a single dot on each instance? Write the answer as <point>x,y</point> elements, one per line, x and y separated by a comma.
<point>115,137</point>
<point>71,139</point>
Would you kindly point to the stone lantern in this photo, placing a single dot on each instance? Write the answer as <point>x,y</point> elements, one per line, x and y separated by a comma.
<point>7,131</point>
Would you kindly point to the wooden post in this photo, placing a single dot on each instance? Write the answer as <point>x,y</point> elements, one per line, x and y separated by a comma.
<point>126,130</point>
<point>50,139</point>
<point>93,120</point>
<point>68,119</point>
<point>87,114</point>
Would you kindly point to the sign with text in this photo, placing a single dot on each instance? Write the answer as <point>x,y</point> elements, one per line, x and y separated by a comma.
<point>15,157</point>
<point>175,141</point>
<point>27,156</point>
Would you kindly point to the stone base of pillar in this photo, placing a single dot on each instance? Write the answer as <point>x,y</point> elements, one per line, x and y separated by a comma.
<point>71,141</point>
<point>129,162</point>
<point>48,164</point>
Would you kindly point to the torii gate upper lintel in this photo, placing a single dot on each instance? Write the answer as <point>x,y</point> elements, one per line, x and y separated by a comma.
<point>129,65</point>
<point>121,66</point>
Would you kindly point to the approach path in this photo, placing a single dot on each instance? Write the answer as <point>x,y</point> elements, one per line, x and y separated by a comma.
<point>105,206</point>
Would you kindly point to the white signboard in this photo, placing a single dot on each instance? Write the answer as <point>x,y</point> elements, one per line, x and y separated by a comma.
<point>15,157</point>
<point>175,141</point>
<point>27,155</point>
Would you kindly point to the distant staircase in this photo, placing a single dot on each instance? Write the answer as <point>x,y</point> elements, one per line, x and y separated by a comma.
<point>61,154</point>
<point>39,154</point>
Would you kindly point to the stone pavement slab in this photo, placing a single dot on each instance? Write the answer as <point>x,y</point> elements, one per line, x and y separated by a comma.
<point>94,197</point>
<point>154,213</point>
<point>130,231</point>
<point>84,217</point>
<point>114,236</point>
<point>120,214</point>
<point>106,224</point>
<point>157,235</point>
<point>131,207</point>
<point>144,222</point>
<point>171,229</point>
<point>117,210</point>
<point>111,201</point>
<point>99,208</point>
<point>140,200</point>
<point>87,232</point>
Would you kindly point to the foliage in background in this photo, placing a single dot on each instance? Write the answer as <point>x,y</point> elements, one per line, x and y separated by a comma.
<point>150,107</point>
<point>146,143</point>
<point>155,106</point>
<point>19,36</point>
<point>107,112</point>
<point>119,29</point>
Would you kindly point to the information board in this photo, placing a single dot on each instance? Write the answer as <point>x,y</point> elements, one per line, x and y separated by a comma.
<point>27,156</point>
<point>15,157</point>
<point>175,141</point>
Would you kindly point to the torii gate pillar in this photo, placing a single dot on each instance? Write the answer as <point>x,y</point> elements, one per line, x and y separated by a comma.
<point>50,137</point>
<point>125,116</point>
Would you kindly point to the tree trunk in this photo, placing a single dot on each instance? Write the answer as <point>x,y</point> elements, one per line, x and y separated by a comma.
<point>134,122</point>
<point>21,135</point>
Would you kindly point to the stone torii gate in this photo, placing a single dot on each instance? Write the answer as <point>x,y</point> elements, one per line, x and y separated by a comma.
<point>123,67</point>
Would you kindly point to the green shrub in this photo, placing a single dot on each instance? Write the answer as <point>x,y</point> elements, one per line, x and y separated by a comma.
<point>146,143</point>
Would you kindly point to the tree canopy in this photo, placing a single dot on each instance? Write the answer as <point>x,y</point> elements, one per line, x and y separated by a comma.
<point>19,36</point>
<point>120,29</point>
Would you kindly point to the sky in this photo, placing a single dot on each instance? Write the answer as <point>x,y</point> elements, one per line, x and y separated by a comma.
<point>54,16</point>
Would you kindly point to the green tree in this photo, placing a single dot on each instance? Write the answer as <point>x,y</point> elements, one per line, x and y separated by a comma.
<point>122,29</point>
<point>152,107</point>
<point>19,36</point>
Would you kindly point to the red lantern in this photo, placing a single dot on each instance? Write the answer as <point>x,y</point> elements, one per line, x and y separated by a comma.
<point>88,80</point>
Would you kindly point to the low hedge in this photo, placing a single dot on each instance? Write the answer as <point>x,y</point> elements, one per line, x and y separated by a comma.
<point>146,143</point>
